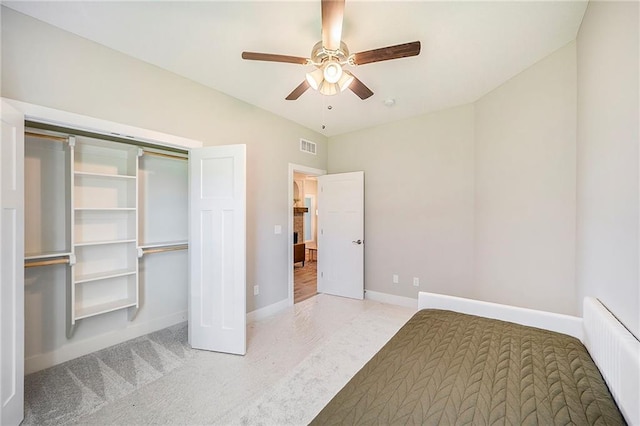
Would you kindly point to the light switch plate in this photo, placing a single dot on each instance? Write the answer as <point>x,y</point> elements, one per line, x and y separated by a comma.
<point>277,229</point>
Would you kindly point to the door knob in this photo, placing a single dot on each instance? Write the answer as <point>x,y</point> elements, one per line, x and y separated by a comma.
<point>357,242</point>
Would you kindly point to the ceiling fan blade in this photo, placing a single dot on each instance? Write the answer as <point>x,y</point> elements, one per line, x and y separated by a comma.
<point>360,89</point>
<point>386,53</point>
<point>253,56</point>
<point>332,16</point>
<point>298,91</point>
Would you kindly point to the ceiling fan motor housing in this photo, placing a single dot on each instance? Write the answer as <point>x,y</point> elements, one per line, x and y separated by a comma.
<point>319,54</point>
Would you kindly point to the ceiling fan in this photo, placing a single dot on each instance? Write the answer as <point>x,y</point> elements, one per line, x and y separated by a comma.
<point>331,55</point>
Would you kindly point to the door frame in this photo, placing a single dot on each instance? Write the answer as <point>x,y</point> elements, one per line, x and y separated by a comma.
<point>307,171</point>
<point>11,266</point>
<point>313,222</point>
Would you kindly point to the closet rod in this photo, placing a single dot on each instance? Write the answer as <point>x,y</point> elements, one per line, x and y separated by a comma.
<point>46,263</point>
<point>160,154</point>
<point>50,137</point>
<point>164,249</point>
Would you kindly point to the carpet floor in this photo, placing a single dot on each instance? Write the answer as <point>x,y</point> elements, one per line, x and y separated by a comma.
<point>82,386</point>
<point>296,361</point>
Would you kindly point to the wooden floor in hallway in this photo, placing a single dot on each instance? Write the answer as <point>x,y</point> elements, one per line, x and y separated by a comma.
<point>304,280</point>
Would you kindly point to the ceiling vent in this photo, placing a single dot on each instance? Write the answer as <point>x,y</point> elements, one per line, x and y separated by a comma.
<point>307,146</point>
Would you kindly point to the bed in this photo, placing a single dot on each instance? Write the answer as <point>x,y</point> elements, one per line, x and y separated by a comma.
<point>460,361</point>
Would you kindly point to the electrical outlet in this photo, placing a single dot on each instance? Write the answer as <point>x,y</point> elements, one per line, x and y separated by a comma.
<point>416,282</point>
<point>395,279</point>
<point>256,290</point>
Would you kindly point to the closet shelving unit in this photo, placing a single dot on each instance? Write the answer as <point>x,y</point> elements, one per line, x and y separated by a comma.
<point>87,217</point>
<point>104,197</point>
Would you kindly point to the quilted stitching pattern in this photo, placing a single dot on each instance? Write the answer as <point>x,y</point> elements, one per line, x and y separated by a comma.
<point>447,368</point>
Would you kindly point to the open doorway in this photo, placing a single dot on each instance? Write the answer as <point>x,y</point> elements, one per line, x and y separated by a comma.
<point>305,247</point>
<point>303,190</point>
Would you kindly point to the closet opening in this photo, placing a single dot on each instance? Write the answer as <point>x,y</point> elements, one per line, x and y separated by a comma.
<point>106,239</point>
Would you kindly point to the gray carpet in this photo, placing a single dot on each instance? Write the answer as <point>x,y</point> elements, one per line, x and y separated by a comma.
<point>82,386</point>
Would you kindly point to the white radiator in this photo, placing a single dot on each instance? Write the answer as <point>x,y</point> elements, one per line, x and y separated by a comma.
<point>616,352</point>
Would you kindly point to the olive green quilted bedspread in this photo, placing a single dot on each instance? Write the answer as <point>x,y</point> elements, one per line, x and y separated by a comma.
<point>447,368</point>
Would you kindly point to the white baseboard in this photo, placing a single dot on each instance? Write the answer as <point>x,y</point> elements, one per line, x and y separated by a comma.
<point>391,299</point>
<point>560,323</point>
<point>267,311</point>
<point>87,346</point>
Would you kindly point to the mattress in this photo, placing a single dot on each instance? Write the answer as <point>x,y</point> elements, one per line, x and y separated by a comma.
<point>445,368</point>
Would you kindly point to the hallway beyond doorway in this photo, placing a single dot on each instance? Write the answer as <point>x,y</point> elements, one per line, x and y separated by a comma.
<point>305,284</point>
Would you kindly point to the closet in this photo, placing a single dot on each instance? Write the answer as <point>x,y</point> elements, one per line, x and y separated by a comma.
<point>106,237</point>
<point>110,232</point>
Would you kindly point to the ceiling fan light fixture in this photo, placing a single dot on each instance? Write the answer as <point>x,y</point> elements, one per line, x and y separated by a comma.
<point>346,79</point>
<point>315,78</point>
<point>329,89</point>
<point>332,72</point>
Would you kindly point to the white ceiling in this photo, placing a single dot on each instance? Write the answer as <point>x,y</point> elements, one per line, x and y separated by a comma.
<point>468,48</point>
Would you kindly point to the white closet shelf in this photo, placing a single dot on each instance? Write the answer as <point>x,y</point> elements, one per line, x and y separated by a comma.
<point>103,308</point>
<point>103,175</point>
<point>101,243</point>
<point>80,279</point>
<point>104,209</point>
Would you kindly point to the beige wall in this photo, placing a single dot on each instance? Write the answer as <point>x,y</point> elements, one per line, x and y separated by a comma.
<point>47,66</point>
<point>479,200</point>
<point>607,226</point>
<point>525,178</point>
<point>418,200</point>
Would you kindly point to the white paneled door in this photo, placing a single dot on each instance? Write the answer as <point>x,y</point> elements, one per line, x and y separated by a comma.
<point>217,292</point>
<point>341,234</point>
<point>11,266</point>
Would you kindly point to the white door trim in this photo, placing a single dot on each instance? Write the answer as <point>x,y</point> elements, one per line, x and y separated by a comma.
<point>53,116</point>
<point>312,216</point>
<point>11,266</point>
<point>308,171</point>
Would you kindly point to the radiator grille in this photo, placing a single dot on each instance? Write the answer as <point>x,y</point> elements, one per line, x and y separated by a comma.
<point>616,352</point>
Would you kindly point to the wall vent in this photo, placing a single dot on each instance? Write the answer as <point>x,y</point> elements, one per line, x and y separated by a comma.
<point>307,146</point>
